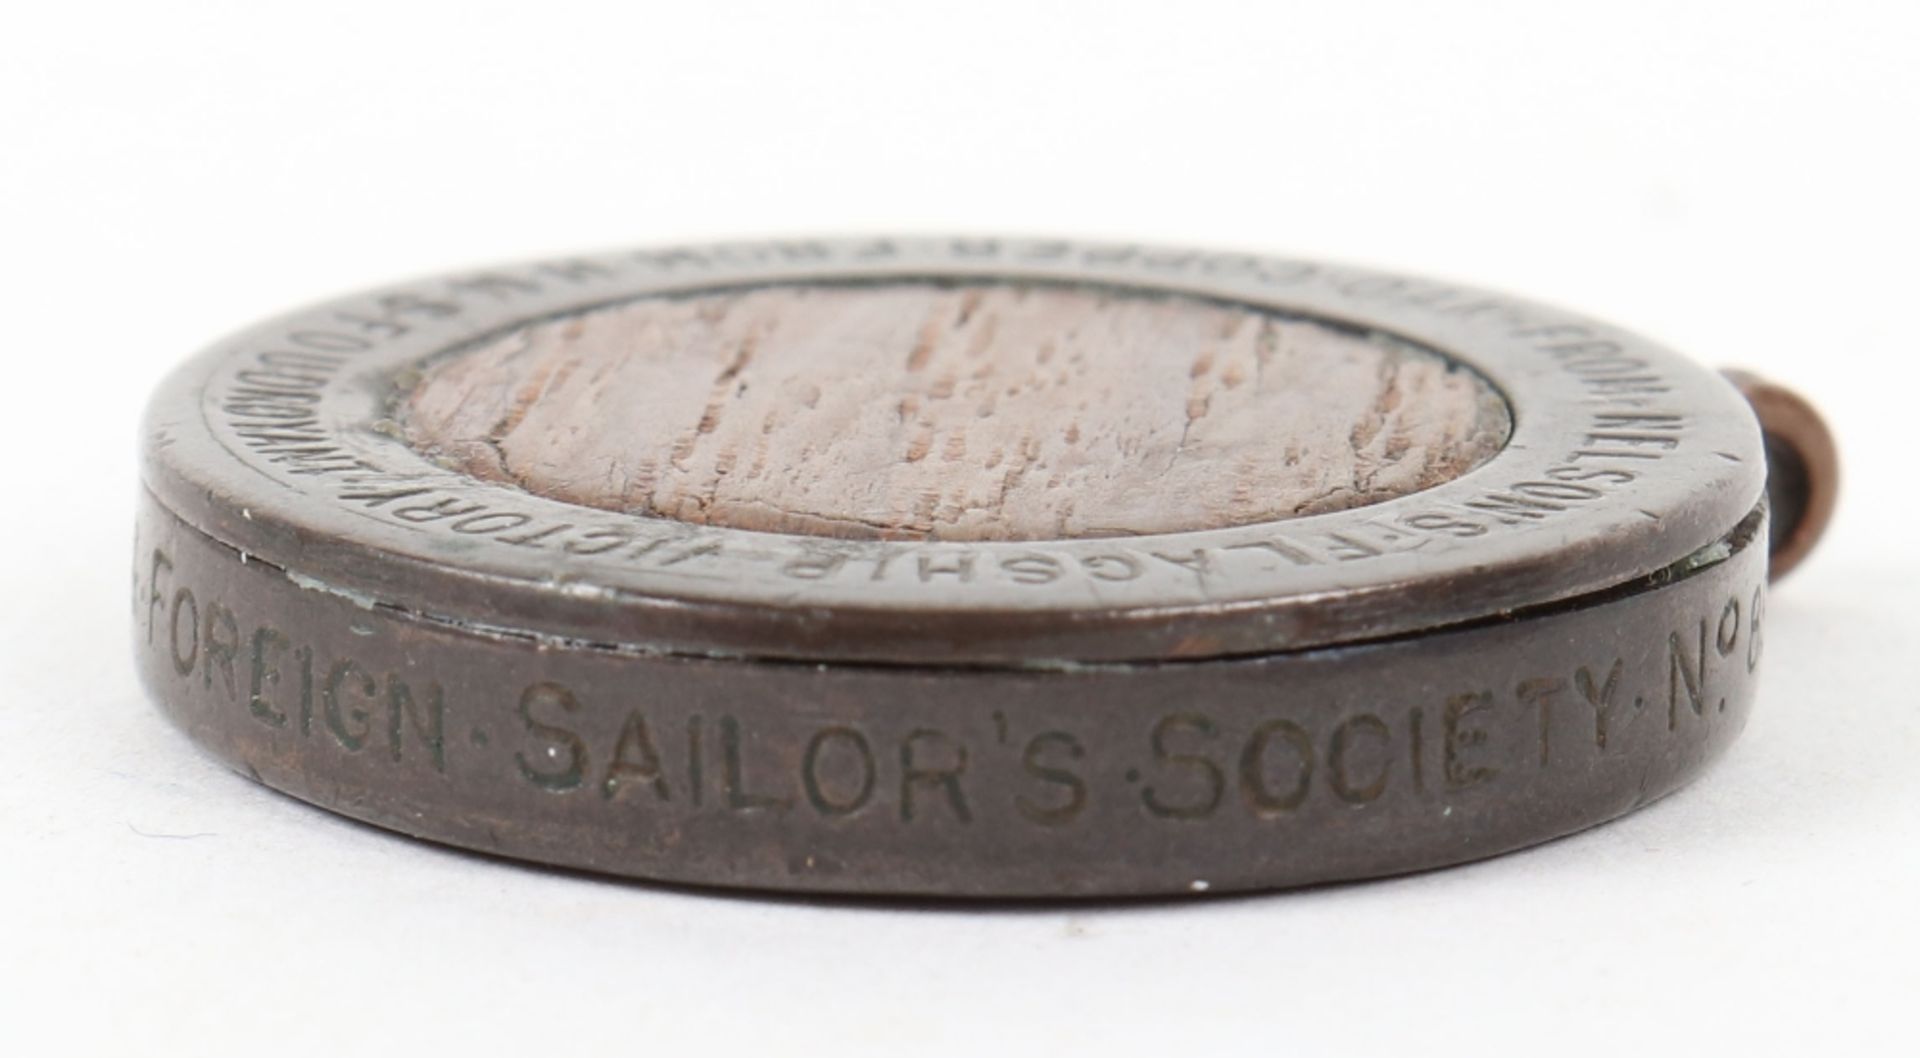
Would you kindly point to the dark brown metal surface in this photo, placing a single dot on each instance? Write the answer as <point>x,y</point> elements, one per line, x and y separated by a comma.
<point>1551,640</point>
<point>1099,780</point>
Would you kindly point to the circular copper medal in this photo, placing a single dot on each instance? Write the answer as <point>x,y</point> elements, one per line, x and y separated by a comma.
<point>957,567</point>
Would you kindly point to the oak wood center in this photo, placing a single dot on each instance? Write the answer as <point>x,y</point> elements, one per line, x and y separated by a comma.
<point>977,411</point>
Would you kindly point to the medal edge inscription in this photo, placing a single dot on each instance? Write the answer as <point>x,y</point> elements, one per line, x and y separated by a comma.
<point>1125,779</point>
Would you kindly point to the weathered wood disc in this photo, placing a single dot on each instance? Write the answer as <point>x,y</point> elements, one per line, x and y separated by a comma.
<point>983,411</point>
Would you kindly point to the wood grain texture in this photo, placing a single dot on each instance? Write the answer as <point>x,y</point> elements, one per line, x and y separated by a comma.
<point>917,410</point>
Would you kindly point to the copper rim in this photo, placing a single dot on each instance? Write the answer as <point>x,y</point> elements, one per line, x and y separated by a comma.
<point>1803,468</point>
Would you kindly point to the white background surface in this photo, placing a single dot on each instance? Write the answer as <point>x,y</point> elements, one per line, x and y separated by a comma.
<point>1736,180</point>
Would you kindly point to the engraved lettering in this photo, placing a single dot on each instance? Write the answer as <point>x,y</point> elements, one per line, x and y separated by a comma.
<point>428,720</point>
<point>184,603</point>
<point>1686,671</point>
<point>1211,777</point>
<point>696,770</point>
<point>1032,569</point>
<point>1348,783</point>
<point>635,760</point>
<point>1459,740</point>
<point>1600,696</point>
<point>1110,567</point>
<point>547,769</point>
<point>1194,562</point>
<point>1451,525</point>
<point>304,655</point>
<point>432,512</point>
<point>958,566</point>
<point>1728,634</point>
<point>1073,790</point>
<point>1348,549</point>
<point>220,639</point>
<point>733,774</point>
<point>265,673</point>
<point>161,563</point>
<point>1541,692</point>
<point>349,721</point>
<point>813,566</point>
<point>825,782</point>
<point>1261,796</point>
<point>498,521</point>
<point>1279,547</point>
<point>597,542</point>
<point>914,772</point>
<point>533,539</point>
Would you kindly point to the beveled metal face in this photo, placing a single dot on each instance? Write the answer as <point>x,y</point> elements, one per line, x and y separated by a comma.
<point>1624,459</point>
